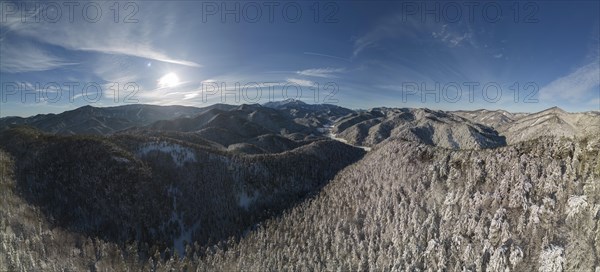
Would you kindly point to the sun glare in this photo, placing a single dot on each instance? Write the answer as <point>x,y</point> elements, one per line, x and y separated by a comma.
<point>168,80</point>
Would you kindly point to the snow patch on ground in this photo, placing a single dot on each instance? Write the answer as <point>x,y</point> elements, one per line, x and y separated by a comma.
<point>121,160</point>
<point>333,136</point>
<point>575,205</point>
<point>179,154</point>
<point>185,235</point>
<point>552,259</point>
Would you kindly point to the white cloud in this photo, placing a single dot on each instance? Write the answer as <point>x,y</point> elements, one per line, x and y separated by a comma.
<point>24,57</point>
<point>390,27</point>
<point>136,50</point>
<point>326,55</point>
<point>300,82</point>
<point>190,96</point>
<point>409,30</point>
<point>104,36</point>
<point>387,28</point>
<point>497,56</point>
<point>321,72</point>
<point>47,87</point>
<point>450,37</point>
<point>574,85</point>
<point>119,81</point>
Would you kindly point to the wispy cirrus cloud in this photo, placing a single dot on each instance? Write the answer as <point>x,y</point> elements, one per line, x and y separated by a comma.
<point>136,50</point>
<point>327,56</point>
<point>450,37</point>
<point>398,27</point>
<point>300,82</point>
<point>392,27</point>
<point>24,57</point>
<point>322,72</point>
<point>573,86</point>
<point>105,36</point>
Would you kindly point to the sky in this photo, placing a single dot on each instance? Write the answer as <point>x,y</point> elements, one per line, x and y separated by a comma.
<point>517,56</point>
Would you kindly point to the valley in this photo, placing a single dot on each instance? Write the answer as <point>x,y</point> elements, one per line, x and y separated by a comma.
<point>295,186</point>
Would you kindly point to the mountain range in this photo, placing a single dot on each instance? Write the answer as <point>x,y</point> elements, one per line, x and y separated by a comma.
<point>293,186</point>
<point>226,125</point>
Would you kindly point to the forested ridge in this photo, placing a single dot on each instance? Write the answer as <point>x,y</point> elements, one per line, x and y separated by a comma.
<point>531,206</point>
<point>534,206</point>
<point>155,195</point>
<point>201,193</point>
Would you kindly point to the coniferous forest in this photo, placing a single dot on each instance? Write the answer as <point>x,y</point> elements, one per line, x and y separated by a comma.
<point>162,197</point>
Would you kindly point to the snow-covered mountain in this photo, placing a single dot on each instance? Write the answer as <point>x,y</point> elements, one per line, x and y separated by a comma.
<point>533,206</point>
<point>156,191</point>
<point>284,186</point>
<point>313,115</point>
<point>436,128</point>
<point>101,121</point>
<point>491,118</point>
<point>554,121</point>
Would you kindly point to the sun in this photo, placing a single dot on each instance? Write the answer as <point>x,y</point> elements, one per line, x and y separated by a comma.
<point>169,80</point>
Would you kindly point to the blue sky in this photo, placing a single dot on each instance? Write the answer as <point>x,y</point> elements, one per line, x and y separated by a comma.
<point>357,54</point>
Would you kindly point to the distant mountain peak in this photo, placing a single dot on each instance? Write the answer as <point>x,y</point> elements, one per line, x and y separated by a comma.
<point>84,108</point>
<point>249,106</point>
<point>283,103</point>
<point>554,109</point>
<point>293,100</point>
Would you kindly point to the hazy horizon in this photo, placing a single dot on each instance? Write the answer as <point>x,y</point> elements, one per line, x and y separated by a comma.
<point>358,109</point>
